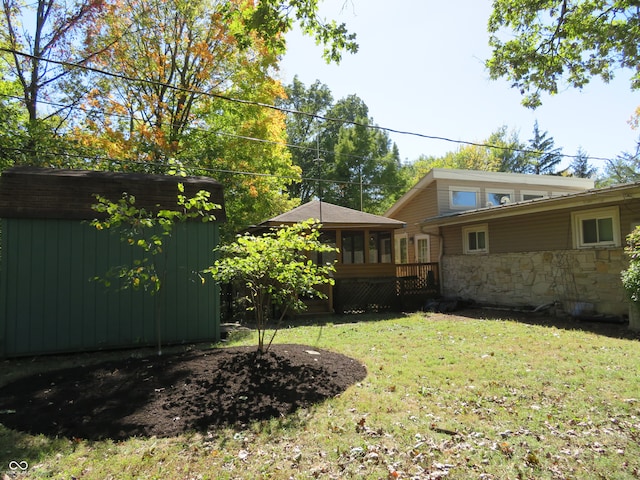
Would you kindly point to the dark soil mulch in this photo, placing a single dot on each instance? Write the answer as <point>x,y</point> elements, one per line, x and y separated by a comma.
<point>171,394</point>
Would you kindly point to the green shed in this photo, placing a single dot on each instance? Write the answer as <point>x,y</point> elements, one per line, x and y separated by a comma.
<point>50,254</point>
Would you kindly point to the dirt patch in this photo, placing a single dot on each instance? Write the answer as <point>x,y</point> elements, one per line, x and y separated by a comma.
<point>171,394</point>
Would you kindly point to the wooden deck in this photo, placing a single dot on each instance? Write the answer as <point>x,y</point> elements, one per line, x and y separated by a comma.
<point>412,286</point>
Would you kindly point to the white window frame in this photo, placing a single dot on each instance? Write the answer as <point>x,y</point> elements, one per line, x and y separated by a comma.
<point>453,189</point>
<point>417,239</point>
<point>537,193</point>
<point>483,227</point>
<point>511,193</point>
<point>398,248</point>
<point>596,214</point>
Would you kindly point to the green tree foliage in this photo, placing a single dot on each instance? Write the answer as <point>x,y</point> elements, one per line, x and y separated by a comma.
<point>631,276</point>
<point>580,167</point>
<point>271,19</point>
<point>347,159</point>
<point>502,151</point>
<point>303,132</point>
<point>625,168</point>
<point>180,52</point>
<point>184,52</point>
<point>46,31</point>
<point>276,271</point>
<point>193,58</point>
<point>255,174</point>
<point>366,170</point>
<point>543,157</point>
<point>12,123</point>
<point>540,45</point>
<point>507,151</point>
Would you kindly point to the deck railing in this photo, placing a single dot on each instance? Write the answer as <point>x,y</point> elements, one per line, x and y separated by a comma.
<point>427,272</point>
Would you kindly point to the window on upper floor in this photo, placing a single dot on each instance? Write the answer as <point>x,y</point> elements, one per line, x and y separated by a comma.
<point>499,197</point>
<point>463,198</point>
<point>532,194</point>
<point>475,239</point>
<point>596,228</point>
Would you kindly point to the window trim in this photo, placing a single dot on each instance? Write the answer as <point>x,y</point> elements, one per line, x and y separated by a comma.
<point>398,248</point>
<point>537,193</point>
<point>353,252</point>
<point>595,214</point>
<point>380,237</point>
<point>482,227</point>
<point>417,239</point>
<point>491,191</point>
<point>453,189</point>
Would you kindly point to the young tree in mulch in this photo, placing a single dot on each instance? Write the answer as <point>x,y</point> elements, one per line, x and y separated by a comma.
<point>148,232</point>
<point>277,271</point>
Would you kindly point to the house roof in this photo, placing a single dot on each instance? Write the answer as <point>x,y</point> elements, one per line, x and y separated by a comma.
<point>493,177</point>
<point>593,198</point>
<point>333,216</point>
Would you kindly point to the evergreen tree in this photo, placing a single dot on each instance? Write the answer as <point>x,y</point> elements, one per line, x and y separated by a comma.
<point>543,157</point>
<point>623,169</point>
<point>580,166</point>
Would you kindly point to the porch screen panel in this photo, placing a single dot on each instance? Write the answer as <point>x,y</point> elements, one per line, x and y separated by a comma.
<point>353,247</point>
<point>379,247</point>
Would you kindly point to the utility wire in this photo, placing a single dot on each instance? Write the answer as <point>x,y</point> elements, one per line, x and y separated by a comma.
<point>197,168</point>
<point>284,109</point>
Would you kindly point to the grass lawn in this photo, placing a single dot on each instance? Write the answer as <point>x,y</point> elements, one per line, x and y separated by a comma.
<point>446,396</point>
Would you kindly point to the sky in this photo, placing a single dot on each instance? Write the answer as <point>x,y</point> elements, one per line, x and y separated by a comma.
<point>420,68</point>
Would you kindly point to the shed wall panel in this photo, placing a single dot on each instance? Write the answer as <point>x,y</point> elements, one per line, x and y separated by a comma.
<point>51,304</point>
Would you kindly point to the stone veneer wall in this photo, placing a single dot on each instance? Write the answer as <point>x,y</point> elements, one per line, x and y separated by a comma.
<point>571,277</point>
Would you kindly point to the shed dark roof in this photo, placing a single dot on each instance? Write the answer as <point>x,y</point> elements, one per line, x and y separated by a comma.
<point>31,192</point>
<point>332,215</point>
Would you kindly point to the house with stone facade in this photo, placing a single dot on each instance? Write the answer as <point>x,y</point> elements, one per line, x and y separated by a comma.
<point>443,192</point>
<point>565,247</point>
<point>566,250</point>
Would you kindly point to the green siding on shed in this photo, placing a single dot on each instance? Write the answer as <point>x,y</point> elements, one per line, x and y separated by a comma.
<point>48,302</point>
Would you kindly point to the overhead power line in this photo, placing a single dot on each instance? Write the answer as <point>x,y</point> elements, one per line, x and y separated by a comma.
<point>287,110</point>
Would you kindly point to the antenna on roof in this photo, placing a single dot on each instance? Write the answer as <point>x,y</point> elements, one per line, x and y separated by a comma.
<point>319,160</point>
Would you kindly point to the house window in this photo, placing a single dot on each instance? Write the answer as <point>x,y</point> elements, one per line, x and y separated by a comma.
<point>422,249</point>
<point>352,247</point>
<point>379,247</point>
<point>596,228</point>
<point>475,239</point>
<point>499,197</point>
<point>402,253</point>
<point>532,194</point>
<point>322,258</point>
<point>463,198</point>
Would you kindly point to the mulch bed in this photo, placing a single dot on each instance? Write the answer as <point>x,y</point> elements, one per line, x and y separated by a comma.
<point>171,394</point>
